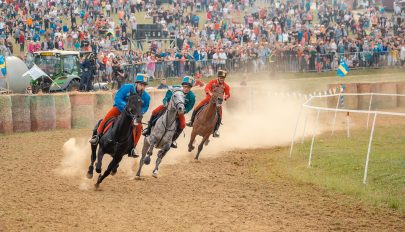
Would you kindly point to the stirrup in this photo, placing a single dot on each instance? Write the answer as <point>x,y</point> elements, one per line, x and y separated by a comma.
<point>174,144</point>
<point>189,124</point>
<point>215,134</point>
<point>145,133</point>
<point>94,140</point>
<point>133,153</point>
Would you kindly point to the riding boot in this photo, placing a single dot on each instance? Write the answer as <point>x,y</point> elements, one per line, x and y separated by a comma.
<point>216,133</point>
<point>94,140</point>
<point>190,123</point>
<point>148,130</point>
<point>133,153</point>
<point>175,136</point>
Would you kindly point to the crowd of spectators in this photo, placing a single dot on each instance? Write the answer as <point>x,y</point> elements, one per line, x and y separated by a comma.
<point>205,35</point>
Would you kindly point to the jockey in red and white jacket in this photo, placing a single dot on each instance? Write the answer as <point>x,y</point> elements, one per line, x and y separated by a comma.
<point>209,88</point>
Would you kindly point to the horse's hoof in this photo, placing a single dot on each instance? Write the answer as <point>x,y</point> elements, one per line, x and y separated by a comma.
<point>147,160</point>
<point>190,149</point>
<point>97,185</point>
<point>155,174</point>
<point>98,170</point>
<point>137,178</point>
<point>89,175</point>
<point>113,172</point>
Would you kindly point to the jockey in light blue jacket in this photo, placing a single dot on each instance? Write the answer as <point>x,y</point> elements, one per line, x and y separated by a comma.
<point>120,102</point>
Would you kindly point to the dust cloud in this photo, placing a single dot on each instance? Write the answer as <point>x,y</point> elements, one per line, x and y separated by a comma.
<point>75,152</point>
<point>255,116</point>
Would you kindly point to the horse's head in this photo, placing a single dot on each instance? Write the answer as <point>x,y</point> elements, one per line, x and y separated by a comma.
<point>218,96</point>
<point>134,108</point>
<point>177,102</point>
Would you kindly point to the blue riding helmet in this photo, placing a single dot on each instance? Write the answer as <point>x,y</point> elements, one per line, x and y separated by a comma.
<point>187,80</point>
<point>142,78</point>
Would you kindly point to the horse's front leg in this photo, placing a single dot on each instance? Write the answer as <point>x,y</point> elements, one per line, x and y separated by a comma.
<point>160,156</point>
<point>114,171</point>
<point>141,161</point>
<point>100,155</point>
<point>192,138</point>
<point>200,147</point>
<point>92,160</point>
<point>93,152</point>
<point>149,152</point>
<point>114,162</point>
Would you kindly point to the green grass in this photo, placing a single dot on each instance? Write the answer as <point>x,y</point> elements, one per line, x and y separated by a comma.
<point>338,165</point>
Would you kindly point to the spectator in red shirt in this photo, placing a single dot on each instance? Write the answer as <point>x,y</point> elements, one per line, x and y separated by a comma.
<point>22,41</point>
<point>198,81</point>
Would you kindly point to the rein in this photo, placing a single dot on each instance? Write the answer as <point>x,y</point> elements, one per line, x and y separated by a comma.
<point>166,121</point>
<point>133,119</point>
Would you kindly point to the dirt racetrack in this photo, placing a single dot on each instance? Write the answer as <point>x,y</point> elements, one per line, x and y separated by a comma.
<point>218,194</point>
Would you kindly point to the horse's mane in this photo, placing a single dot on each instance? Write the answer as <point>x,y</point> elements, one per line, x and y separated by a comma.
<point>218,90</point>
<point>174,89</point>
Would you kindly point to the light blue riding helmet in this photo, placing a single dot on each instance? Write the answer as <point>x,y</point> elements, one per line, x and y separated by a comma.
<point>142,78</point>
<point>188,80</point>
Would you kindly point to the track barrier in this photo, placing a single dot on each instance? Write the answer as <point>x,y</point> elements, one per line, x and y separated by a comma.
<point>6,120</point>
<point>82,110</point>
<point>103,102</point>
<point>63,111</point>
<point>82,105</point>
<point>43,113</point>
<point>21,111</point>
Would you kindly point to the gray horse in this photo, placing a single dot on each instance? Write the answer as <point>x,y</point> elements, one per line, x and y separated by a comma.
<point>163,131</point>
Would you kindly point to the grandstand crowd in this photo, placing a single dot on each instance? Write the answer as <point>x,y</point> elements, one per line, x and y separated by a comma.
<point>206,35</point>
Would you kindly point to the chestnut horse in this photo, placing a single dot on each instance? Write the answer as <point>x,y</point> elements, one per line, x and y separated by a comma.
<point>206,119</point>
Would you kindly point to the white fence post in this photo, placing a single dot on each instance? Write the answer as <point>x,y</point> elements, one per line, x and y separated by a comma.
<point>369,149</point>
<point>313,138</point>
<point>305,126</point>
<point>348,124</point>
<point>295,131</point>
<point>334,118</point>
<point>369,108</point>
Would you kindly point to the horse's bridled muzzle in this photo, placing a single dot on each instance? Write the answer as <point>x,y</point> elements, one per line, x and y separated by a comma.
<point>180,110</point>
<point>136,120</point>
<point>219,102</point>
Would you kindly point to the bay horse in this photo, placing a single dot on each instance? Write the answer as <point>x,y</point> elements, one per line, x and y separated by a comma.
<point>117,140</point>
<point>206,119</point>
<point>162,133</point>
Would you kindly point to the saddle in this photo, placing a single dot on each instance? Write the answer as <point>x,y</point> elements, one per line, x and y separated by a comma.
<point>108,124</point>
<point>107,127</point>
<point>154,120</point>
<point>202,107</point>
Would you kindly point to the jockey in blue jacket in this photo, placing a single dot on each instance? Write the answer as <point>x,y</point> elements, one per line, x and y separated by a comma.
<point>120,102</point>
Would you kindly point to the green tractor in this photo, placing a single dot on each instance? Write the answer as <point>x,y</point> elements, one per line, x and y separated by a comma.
<point>63,69</point>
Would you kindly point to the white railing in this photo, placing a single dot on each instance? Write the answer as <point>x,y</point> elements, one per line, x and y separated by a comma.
<point>309,106</point>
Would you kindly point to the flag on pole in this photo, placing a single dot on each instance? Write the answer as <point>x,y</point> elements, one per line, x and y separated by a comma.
<point>342,98</point>
<point>35,72</point>
<point>3,65</point>
<point>343,69</point>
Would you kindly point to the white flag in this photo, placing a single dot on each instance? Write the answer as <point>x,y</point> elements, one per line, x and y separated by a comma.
<point>35,72</point>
